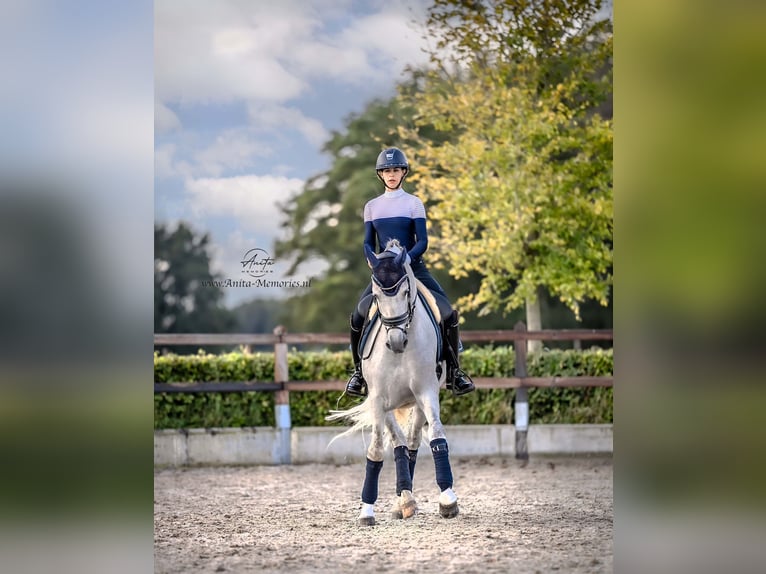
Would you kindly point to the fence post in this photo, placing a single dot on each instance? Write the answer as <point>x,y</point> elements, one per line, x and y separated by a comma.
<point>282,398</point>
<point>521,402</point>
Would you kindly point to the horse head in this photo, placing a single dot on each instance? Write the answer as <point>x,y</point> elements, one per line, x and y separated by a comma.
<point>394,290</point>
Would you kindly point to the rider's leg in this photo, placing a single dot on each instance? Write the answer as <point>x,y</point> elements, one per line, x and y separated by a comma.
<point>424,276</point>
<point>457,380</point>
<point>356,385</point>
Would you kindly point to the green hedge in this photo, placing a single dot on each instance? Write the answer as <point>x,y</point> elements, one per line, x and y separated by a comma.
<point>205,410</point>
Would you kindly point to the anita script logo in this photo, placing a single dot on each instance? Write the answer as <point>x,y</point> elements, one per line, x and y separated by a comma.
<point>257,263</point>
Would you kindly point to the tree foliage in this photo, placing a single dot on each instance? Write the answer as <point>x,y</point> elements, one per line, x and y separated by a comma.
<point>183,300</point>
<point>259,315</point>
<point>520,185</point>
<point>324,221</point>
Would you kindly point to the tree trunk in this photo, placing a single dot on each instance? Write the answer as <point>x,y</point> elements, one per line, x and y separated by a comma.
<point>534,321</point>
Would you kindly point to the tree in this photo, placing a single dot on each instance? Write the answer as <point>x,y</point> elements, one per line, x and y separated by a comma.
<point>521,189</point>
<point>324,221</point>
<point>259,315</point>
<point>185,299</point>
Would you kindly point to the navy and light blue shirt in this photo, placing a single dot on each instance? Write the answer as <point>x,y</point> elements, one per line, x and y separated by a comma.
<point>396,215</point>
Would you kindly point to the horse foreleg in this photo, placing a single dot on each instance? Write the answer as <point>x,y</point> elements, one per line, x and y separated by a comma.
<point>447,499</point>
<point>448,507</point>
<point>405,506</point>
<point>370,492</point>
<point>371,475</point>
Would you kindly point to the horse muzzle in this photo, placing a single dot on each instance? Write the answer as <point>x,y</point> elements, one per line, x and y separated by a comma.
<point>396,340</point>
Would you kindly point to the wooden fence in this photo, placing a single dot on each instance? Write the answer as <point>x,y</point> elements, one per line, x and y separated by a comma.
<point>282,385</point>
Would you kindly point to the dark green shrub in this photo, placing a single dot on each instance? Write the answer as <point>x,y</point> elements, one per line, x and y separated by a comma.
<point>490,406</point>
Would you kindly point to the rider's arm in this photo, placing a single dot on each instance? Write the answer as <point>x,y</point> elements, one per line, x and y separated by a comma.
<point>370,235</point>
<point>418,214</point>
<point>422,239</point>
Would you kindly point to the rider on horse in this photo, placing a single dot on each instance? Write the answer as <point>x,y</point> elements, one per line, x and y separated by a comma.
<point>400,215</point>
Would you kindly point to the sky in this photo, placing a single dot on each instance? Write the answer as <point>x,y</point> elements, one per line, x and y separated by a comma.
<point>247,93</point>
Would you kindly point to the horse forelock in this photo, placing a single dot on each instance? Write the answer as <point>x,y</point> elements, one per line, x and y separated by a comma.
<point>393,246</point>
<point>388,273</point>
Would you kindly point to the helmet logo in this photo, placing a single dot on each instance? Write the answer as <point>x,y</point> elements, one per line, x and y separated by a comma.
<point>390,155</point>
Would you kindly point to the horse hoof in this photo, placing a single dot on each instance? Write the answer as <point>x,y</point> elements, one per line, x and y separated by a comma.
<point>397,514</point>
<point>407,505</point>
<point>448,510</point>
<point>409,509</point>
<point>366,521</point>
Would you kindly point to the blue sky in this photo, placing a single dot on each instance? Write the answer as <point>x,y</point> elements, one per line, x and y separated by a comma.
<point>246,94</point>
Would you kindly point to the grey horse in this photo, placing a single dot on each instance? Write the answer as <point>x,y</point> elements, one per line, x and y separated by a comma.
<point>399,363</point>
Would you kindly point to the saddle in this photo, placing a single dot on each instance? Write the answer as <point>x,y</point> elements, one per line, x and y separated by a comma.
<point>437,307</point>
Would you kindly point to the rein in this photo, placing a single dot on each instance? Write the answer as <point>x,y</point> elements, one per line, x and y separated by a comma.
<point>402,321</point>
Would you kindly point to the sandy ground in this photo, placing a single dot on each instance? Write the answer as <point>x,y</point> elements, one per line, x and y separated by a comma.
<point>555,514</point>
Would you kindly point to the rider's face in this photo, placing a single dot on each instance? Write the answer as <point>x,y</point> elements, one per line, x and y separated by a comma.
<point>392,176</point>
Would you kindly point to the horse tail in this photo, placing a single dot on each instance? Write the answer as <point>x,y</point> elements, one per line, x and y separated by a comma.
<point>359,416</point>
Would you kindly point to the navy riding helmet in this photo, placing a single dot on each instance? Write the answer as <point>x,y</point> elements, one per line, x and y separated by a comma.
<point>392,157</point>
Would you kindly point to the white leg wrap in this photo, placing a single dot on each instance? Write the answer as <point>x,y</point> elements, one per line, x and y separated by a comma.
<point>447,497</point>
<point>367,511</point>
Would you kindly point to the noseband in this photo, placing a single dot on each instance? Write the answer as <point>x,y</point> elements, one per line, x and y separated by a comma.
<point>402,321</point>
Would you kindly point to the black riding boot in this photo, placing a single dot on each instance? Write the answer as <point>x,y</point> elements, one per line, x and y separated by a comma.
<point>457,381</point>
<point>356,386</point>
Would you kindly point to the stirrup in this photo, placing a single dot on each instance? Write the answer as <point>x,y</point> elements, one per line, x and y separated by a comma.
<point>356,386</point>
<point>460,389</point>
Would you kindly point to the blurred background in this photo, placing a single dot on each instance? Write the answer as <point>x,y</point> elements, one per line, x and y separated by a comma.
<point>76,216</point>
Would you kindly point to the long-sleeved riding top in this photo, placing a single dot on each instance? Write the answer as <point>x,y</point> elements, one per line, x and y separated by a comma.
<point>396,215</point>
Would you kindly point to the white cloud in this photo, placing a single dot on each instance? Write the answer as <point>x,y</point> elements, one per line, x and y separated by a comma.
<point>168,165</point>
<point>265,56</point>
<point>372,51</point>
<point>163,161</point>
<point>250,199</point>
<point>232,149</point>
<point>226,50</point>
<point>389,41</point>
<point>274,116</point>
<point>232,50</point>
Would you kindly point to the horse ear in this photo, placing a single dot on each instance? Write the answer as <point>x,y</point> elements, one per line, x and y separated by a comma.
<point>372,259</point>
<point>401,257</point>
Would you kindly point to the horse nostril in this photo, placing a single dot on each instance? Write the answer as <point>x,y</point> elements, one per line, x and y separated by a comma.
<point>388,345</point>
<point>405,343</point>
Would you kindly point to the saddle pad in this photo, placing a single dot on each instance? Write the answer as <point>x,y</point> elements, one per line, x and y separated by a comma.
<point>429,299</point>
<point>432,310</point>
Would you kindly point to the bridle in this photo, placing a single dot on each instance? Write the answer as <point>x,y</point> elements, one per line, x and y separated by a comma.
<point>402,321</point>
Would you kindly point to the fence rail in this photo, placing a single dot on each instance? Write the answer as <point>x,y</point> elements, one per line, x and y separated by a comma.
<point>489,336</point>
<point>282,385</point>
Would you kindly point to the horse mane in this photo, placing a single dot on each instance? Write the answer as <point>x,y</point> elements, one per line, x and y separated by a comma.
<point>393,246</point>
